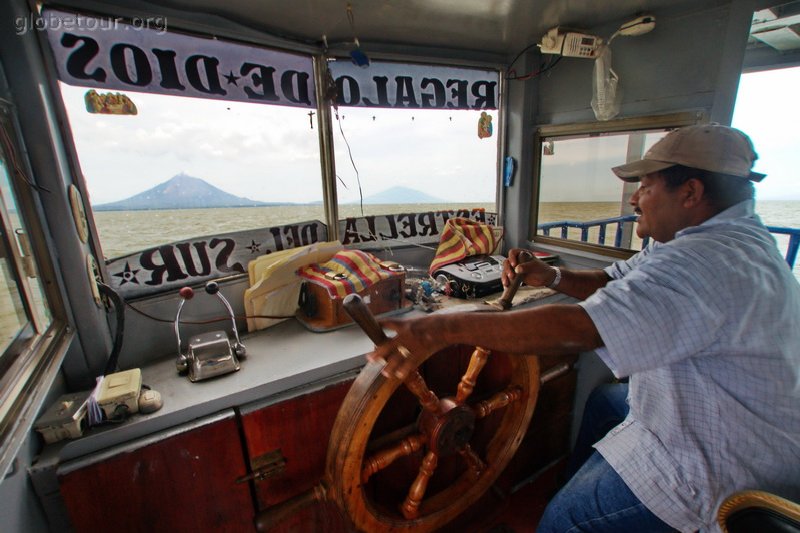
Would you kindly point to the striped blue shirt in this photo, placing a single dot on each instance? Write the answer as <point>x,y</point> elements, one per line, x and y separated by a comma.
<point>707,327</point>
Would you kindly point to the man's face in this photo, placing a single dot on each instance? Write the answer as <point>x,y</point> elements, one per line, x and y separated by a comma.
<point>661,210</point>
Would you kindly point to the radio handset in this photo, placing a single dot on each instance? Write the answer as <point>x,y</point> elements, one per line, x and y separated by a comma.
<point>568,43</point>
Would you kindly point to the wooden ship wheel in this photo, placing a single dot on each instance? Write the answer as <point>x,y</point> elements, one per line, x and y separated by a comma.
<point>386,474</point>
<point>421,475</point>
<point>413,455</point>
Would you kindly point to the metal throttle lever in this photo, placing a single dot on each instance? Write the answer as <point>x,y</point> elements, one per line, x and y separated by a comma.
<point>208,354</point>
<point>505,300</point>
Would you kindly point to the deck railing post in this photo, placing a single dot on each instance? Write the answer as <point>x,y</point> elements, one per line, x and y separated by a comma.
<point>791,252</point>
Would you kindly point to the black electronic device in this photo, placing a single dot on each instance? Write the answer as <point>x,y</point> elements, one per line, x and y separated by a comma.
<point>473,277</point>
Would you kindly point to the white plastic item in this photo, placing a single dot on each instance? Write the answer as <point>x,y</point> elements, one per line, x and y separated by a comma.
<point>638,26</point>
<point>65,419</point>
<point>605,91</point>
<point>568,43</point>
<point>122,388</point>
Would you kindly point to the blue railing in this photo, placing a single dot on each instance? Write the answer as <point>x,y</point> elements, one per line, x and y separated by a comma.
<point>603,223</point>
<point>794,242</point>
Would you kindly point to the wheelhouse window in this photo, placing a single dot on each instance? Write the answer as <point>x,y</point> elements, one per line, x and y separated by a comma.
<point>580,199</point>
<point>394,159</point>
<point>29,333</point>
<point>198,154</point>
<point>413,138</point>
<point>189,167</point>
<point>25,312</point>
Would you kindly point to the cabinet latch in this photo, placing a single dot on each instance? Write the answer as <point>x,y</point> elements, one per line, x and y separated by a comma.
<point>269,465</point>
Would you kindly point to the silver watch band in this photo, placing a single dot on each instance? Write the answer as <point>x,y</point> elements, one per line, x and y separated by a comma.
<point>556,280</point>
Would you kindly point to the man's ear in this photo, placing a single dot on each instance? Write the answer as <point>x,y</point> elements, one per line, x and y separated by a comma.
<point>693,192</point>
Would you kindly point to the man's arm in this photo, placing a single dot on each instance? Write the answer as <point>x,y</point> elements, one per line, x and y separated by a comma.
<point>576,283</point>
<point>545,330</point>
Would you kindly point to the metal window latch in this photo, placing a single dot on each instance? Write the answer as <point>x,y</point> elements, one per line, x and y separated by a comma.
<point>208,354</point>
<point>27,254</point>
<point>269,465</point>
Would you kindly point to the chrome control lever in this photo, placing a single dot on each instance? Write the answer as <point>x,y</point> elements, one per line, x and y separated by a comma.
<point>208,354</point>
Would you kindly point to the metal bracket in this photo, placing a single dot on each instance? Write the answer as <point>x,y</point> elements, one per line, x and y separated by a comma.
<point>269,465</point>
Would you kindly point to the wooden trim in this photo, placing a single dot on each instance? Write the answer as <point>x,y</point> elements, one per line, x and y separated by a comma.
<point>600,249</point>
<point>756,498</point>
<point>671,120</point>
<point>589,129</point>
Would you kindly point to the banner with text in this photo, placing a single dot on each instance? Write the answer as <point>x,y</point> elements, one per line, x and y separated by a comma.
<point>404,85</point>
<point>194,261</point>
<point>108,53</point>
<point>112,54</point>
<point>190,262</point>
<point>413,229</point>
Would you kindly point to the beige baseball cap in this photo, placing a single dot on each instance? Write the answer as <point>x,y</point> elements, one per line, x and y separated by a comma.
<point>711,147</point>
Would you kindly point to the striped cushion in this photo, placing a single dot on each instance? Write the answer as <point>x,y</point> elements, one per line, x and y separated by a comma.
<point>462,237</point>
<point>347,272</point>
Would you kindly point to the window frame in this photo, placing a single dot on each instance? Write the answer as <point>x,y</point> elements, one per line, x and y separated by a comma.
<point>32,361</point>
<point>325,127</point>
<point>587,130</point>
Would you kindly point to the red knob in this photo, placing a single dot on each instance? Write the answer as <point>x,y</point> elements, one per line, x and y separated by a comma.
<point>186,293</point>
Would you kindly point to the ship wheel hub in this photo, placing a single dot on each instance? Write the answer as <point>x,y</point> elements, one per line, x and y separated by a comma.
<point>449,430</point>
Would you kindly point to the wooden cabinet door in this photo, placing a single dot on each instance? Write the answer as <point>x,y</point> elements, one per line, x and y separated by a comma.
<point>184,481</point>
<point>296,431</point>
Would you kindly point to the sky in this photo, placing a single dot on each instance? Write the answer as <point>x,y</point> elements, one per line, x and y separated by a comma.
<point>271,153</point>
<point>767,110</point>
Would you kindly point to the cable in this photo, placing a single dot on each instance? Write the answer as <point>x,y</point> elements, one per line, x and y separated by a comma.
<point>119,309</point>
<point>352,161</point>
<point>509,69</point>
<point>539,72</point>
<point>511,74</point>
<point>202,322</point>
<point>11,154</point>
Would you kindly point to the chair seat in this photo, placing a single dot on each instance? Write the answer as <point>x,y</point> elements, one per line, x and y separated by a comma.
<point>754,511</point>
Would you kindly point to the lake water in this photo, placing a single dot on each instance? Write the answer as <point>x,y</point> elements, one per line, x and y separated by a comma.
<point>124,232</point>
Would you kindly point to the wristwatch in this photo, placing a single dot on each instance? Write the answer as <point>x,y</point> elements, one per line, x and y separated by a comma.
<point>556,280</point>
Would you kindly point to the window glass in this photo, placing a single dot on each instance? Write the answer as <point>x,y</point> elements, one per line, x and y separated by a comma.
<point>580,198</point>
<point>12,317</point>
<point>409,160</point>
<point>185,167</point>
<point>22,300</point>
<point>766,111</point>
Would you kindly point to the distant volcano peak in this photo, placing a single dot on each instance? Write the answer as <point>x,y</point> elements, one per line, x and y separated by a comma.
<point>180,192</point>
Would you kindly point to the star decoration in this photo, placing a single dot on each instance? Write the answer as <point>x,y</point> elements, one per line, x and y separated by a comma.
<point>253,246</point>
<point>231,78</point>
<point>128,275</point>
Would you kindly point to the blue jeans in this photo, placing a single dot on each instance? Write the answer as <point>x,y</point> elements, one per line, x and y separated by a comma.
<point>605,408</point>
<point>596,499</point>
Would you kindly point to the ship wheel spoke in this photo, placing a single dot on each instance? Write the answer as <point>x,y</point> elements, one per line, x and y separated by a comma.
<point>470,377</point>
<point>498,401</point>
<point>416,493</point>
<point>386,456</point>
<point>474,463</point>
<point>427,398</point>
